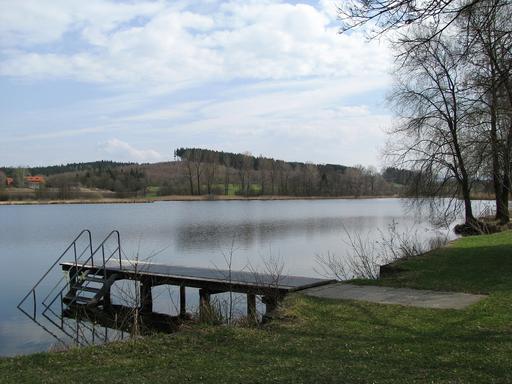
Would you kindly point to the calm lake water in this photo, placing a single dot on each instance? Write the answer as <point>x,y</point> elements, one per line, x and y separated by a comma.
<point>181,233</point>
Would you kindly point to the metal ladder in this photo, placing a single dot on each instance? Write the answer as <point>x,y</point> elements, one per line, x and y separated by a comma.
<point>86,284</point>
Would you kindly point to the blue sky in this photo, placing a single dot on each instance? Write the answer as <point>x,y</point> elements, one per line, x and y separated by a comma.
<point>131,81</point>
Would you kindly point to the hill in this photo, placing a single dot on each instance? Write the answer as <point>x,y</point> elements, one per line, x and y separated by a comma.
<point>199,171</point>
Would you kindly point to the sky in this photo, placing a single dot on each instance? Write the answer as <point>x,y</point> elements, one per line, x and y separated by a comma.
<point>134,80</point>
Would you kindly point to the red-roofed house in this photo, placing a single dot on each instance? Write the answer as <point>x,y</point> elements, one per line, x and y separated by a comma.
<point>34,182</point>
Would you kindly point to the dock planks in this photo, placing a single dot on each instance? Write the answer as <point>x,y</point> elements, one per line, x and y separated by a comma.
<point>205,278</point>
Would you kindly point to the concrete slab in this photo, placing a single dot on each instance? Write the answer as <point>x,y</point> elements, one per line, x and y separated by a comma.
<point>400,296</point>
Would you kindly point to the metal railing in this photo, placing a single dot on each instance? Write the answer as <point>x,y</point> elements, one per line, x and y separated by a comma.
<point>81,266</point>
<point>85,266</point>
<point>85,233</point>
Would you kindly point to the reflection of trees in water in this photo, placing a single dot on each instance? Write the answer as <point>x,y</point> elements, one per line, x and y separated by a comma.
<point>211,235</point>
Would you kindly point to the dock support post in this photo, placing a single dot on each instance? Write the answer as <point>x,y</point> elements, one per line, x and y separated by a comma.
<point>183,301</point>
<point>107,301</point>
<point>270,303</point>
<point>204,304</point>
<point>72,280</point>
<point>146,298</point>
<point>251,307</point>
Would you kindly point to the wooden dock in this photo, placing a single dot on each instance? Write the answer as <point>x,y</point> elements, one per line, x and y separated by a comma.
<point>271,288</point>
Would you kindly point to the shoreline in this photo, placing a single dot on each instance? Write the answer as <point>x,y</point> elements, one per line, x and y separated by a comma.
<point>146,200</point>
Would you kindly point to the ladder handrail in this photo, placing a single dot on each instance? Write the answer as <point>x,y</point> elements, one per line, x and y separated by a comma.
<point>79,266</point>
<point>118,249</point>
<point>90,258</point>
<point>73,243</point>
<point>61,279</point>
<point>82,267</point>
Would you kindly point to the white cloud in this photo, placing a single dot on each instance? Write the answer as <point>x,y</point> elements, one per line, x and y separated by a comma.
<point>314,117</point>
<point>265,76</point>
<point>122,151</point>
<point>156,43</point>
<point>33,22</point>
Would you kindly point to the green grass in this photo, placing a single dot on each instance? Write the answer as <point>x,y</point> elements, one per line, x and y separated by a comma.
<point>152,191</point>
<point>326,341</point>
<point>478,264</point>
<point>234,189</point>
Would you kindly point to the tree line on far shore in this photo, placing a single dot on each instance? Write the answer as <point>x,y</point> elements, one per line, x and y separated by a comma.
<point>205,172</point>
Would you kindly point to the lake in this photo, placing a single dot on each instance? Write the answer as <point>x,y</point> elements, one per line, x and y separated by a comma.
<point>197,233</point>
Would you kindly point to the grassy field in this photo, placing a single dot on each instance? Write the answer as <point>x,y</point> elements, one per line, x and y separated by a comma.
<point>325,341</point>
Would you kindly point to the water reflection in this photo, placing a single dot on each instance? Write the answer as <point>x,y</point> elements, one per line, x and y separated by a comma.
<point>117,322</point>
<point>211,235</point>
<point>189,233</point>
<point>21,336</point>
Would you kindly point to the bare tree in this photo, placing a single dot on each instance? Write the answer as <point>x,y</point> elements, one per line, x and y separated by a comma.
<point>190,171</point>
<point>226,308</point>
<point>244,172</point>
<point>264,169</point>
<point>434,135</point>
<point>270,277</point>
<point>488,55</point>
<point>198,166</point>
<point>310,178</point>
<point>371,174</point>
<point>273,175</point>
<point>3,180</point>
<point>457,71</point>
<point>195,168</point>
<point>386,15</point>
<point>19,177</point>
<point>368,253</point>
<point>210,171</point>
<point>284,170</point>
<point>227,173</point>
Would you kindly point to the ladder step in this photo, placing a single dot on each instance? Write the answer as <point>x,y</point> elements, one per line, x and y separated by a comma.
<point>94,279</point>
<point>78,299</point>
<point>98,272</point>
<point>87,288</point>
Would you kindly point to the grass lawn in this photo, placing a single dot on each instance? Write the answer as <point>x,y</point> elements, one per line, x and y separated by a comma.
<point>234,189</point>
<point>152,191</point>
<point>325,341</point>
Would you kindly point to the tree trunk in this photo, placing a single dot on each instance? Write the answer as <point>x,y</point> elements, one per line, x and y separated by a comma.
<point>501,210</point>
<point>507,182</point>
<point>190,178</point>
<point>463,174</point>
<point>226,182</point>
<point>468,209</point>
<point>198,176</point>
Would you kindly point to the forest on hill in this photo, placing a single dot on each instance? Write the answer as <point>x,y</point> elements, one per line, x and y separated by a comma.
<point>198,171</point>
<point>217,172</point>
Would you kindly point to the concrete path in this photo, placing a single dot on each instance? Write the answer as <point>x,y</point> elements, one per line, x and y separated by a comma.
<point>401,296</point>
